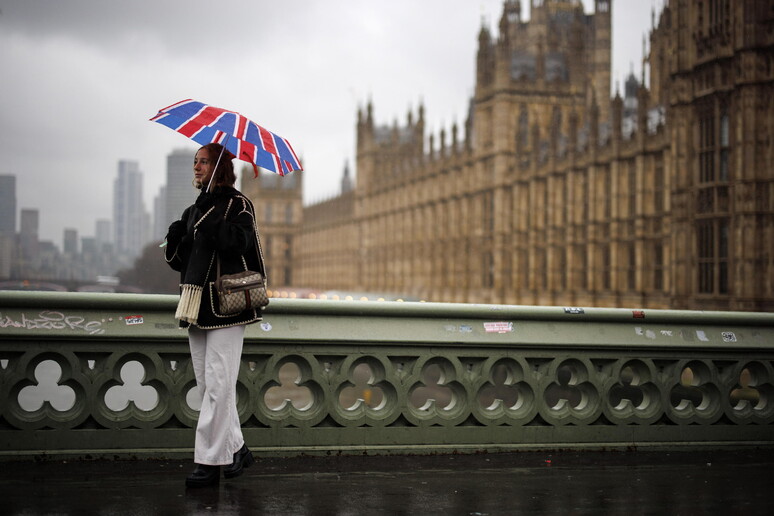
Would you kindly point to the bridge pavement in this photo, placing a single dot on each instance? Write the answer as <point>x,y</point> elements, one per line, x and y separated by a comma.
<point>632,483</point>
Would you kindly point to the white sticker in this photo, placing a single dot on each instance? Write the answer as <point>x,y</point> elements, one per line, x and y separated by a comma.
<point>266,326</point>
<point>702,336</point>
<point>133,319</point>
<point>728,336</point>
<point>462,328</point>
<point>498,327</point>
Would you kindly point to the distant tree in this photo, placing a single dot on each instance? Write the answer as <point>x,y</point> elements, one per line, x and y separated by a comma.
<point>151,273</point>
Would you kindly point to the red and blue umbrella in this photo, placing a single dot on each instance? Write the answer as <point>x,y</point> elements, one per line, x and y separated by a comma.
<point>242,137</point>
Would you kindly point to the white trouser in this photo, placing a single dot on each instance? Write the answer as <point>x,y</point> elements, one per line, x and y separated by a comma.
<point>216,355</point>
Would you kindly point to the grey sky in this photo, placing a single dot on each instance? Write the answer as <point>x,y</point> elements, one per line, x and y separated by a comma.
<point>81,78</point>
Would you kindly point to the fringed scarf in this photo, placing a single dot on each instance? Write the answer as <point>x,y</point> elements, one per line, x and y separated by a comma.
<point>198,267</point>
<point>190,301</point>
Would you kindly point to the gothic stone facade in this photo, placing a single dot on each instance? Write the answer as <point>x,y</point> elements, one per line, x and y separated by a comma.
<point>279,213</point>
<point>559,194</point>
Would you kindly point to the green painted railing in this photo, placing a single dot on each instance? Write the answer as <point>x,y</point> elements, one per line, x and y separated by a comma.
<point>108,375</point>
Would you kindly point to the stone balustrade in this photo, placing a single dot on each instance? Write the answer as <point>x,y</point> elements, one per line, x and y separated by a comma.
<point>108,375</point>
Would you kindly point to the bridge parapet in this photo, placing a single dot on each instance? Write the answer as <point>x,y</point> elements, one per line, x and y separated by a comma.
<point>325,377</point>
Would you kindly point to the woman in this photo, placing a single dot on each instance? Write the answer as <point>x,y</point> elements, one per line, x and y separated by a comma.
<point>219,226</point>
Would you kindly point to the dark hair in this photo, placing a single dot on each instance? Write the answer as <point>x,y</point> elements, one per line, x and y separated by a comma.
<point>224,174</point>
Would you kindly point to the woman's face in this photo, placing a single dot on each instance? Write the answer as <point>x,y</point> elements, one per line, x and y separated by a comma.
<point>202,168</point>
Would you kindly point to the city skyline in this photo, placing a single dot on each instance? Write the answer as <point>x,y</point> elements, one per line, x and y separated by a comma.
<point>127,187</point>
<point>307,88</point>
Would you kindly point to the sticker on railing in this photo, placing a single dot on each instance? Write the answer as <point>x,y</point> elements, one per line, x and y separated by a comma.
<point>728,336</point>
<point>573,310</point>
<point>462,328</point>
<point>498,327</point>
<point>702,336</point>
<point>638,314</point>
<point>133,319</point>
<point>266,326</point>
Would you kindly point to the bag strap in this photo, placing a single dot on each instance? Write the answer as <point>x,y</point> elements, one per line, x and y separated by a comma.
<point>261,263</point>
<point>217,271</point>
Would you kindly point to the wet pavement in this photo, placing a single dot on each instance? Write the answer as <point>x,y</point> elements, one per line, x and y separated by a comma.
<point>599,483</point>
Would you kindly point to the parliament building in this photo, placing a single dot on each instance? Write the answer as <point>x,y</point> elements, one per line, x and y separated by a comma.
<point>557,190</point>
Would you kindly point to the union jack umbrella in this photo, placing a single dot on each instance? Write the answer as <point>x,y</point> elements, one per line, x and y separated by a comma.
<point>242,137</point>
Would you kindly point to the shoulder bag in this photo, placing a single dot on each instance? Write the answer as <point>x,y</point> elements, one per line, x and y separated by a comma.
<point>241,291</point>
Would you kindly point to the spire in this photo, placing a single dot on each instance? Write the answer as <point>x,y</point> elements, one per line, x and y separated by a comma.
<point>346,180</point>
<point>644,59</point>
<point>484,38</point>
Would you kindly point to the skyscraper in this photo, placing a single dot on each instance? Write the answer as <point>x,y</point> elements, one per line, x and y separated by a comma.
<point>7,205</point>
<point>104,234</point>
<point>160,214</point>
<point>28,235</point>
<point>7,223</point>
<point>129,217</point>
<point>71,241</point>
<point>179,193</point>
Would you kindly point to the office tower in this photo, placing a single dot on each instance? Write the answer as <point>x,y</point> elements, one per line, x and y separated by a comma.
<point>179,191</point>
<point>70,241</point>
<point>160,214</point>
<point>7,223</point>
<point>28,234</point>
<point>103,233</point>
<point>129,218</point>
<point>8,205</point>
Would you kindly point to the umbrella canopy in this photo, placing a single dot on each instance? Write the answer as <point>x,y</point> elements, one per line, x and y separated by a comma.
<point>242,137</point>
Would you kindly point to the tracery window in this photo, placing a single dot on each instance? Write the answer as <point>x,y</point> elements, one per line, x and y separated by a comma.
<point>712,246</point>
<point>523,135</point>
<point>714,149</point>
<point>658,184</point>
<point>658,267</point>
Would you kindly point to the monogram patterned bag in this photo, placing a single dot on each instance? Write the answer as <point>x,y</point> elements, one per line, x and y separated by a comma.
<point>241,291</point>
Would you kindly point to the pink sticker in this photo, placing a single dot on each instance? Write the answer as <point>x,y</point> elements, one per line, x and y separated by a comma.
<point>498,327</point>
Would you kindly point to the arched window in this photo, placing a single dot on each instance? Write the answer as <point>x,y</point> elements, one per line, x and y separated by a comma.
<point>522,136</point>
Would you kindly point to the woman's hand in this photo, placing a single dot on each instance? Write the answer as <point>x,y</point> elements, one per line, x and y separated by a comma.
<point>177,231</point>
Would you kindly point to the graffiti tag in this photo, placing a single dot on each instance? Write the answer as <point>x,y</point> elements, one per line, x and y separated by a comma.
<point>48,320</point>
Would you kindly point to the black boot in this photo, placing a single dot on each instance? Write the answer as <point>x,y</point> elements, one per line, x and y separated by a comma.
<point>242,459</point>
<point>203,476</point>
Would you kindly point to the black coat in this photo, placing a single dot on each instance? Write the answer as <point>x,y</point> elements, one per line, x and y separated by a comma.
<point>219,225</point>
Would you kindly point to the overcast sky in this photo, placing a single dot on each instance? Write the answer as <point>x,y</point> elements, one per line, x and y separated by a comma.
<point>81,78</point>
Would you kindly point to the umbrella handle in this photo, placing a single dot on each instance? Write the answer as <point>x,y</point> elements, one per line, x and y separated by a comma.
<point>215,170</point>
